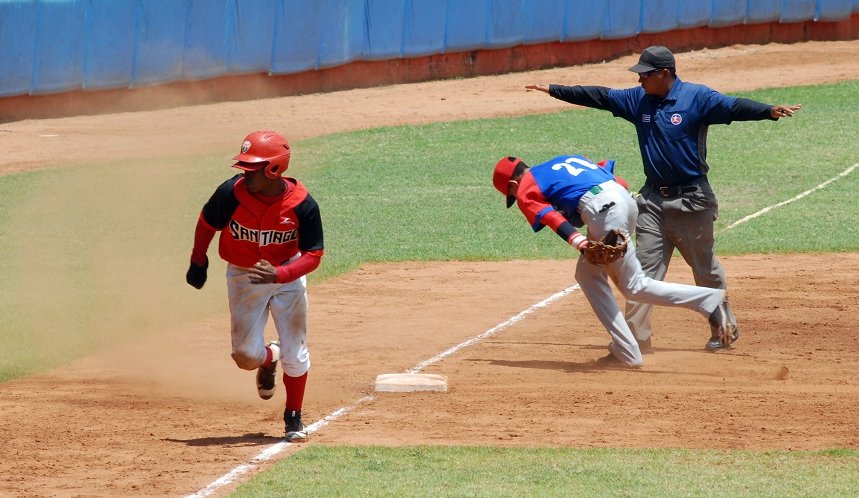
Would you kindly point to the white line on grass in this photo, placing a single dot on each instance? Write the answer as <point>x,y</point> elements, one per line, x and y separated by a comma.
<point>792,199</point>
<point>275,449</point>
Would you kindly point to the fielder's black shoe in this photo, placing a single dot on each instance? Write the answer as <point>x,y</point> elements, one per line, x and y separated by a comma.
<point>720,320</point>
<point>266,376</point>
<point>295,431</point>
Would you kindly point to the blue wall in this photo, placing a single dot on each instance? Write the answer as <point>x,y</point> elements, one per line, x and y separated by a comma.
<point>49,46</point>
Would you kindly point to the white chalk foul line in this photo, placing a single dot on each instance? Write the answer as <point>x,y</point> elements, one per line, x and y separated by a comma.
<point>792,199</point>
<point>494,330</point>
<point>273,450</point>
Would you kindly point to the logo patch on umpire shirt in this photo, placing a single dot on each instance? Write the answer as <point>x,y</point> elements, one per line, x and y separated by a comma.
<point>645,118</point>
<point>676,119</point>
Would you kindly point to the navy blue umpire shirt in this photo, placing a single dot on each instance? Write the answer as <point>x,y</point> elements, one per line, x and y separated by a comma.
<point>672,132</point>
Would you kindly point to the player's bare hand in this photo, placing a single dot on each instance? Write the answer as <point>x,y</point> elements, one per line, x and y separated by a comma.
<point>262,273</point>
<point>539,88</point>
<point>784,111</point>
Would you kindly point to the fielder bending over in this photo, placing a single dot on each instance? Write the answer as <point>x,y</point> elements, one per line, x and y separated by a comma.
<point>572,191</point>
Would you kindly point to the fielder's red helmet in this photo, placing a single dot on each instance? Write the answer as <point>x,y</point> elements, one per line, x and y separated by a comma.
<point>502,175</point>
<point>264,149</point>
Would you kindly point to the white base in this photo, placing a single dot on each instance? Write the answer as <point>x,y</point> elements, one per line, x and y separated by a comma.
<point>402,383</point>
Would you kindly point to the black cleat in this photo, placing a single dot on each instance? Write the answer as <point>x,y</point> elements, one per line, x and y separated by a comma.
<point>266,376</point>
<point>295,430</point>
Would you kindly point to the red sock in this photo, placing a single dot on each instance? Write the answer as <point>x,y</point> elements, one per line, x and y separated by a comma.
<point>268,357</point>
<point>294,391</point>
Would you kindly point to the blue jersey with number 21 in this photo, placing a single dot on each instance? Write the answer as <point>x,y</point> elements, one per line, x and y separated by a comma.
<point>558,185</point>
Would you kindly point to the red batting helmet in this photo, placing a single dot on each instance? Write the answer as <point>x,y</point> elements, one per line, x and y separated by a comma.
<point>503,174</point>
<point>264,149</point>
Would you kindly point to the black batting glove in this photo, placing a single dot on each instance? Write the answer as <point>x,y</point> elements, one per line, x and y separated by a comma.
<point>196,276</point>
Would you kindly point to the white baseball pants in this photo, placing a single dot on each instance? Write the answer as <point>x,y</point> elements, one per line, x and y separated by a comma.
<point>250,305</point>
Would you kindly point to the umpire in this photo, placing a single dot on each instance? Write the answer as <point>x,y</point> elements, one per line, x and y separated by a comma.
<point>677,206</point>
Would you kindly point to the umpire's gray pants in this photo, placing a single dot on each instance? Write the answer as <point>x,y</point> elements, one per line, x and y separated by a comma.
<point>684,222</point>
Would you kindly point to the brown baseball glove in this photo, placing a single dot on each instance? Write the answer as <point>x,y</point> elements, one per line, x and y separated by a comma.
<point>611,248</point>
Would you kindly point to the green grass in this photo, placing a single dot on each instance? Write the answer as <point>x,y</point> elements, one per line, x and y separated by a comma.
<point>322,471</point>
<point>430,197</point>
<point>77,241</point>
<point>759,164</point>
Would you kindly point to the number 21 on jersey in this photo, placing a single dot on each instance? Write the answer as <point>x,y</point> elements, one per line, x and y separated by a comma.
<point>572,169</point>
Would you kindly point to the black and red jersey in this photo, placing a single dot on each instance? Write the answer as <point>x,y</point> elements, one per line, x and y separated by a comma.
<point>252,230</point>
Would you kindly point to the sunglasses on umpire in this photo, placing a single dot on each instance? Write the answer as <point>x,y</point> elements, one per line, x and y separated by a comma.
<point>648,74</point>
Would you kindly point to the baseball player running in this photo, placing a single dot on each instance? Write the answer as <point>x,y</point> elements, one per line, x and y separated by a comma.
<point>572,191</point>
<point>271,238</point>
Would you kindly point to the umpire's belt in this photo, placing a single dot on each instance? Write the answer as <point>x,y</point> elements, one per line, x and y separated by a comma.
<point>675,190</point>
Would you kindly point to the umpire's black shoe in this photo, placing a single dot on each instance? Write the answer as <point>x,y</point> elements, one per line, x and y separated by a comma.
<point>720,320</point>
<point>715,343</point>
<point>266,376</point>
<point>295,430</point>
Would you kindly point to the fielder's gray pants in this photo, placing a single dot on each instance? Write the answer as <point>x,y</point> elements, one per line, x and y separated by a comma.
<point>684,222</point>
<point>627,274</point>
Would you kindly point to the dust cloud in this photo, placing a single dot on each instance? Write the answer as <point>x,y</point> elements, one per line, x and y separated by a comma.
<point>97,256</point>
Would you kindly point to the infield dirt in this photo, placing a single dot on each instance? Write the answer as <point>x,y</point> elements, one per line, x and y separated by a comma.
<point>168,415</point>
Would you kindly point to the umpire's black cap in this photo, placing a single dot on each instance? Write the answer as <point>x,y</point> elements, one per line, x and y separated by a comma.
<point>656,57</point>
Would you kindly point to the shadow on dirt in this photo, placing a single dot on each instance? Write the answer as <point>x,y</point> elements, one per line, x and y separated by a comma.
<point>255,439</point>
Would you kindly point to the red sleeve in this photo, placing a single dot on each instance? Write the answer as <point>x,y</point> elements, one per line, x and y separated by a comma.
<point>533,205</point>
<point>306,263</point>
<point>553,220</point>
<point>530,200</point>
<point>203,236</point>
<point>562,227</point>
